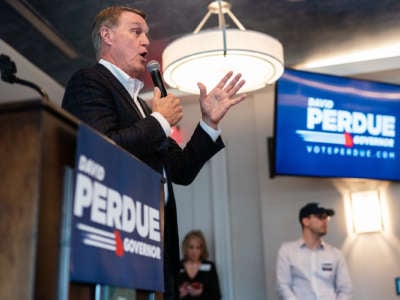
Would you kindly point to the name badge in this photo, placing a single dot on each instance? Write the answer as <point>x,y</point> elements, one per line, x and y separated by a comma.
<point>327,267</point>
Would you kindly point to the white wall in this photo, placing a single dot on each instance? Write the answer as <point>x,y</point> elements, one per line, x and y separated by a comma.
<point>27,71</point>
<point>263,211</point>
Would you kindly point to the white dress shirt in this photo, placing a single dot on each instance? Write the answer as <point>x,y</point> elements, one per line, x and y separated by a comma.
<point>312,274</point>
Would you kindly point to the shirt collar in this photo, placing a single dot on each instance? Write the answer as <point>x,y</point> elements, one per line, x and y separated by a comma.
<point>301,244</point>
<point>132,85</point>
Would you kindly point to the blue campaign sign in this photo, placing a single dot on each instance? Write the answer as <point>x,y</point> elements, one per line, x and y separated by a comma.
<point>334,126</point>
<point>116,223</point>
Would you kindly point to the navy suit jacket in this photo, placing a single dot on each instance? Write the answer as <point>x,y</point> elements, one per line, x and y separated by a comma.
<point>97,98</point>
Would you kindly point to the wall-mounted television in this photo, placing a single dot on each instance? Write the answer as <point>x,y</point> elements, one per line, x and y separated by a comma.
<point>331,126</point>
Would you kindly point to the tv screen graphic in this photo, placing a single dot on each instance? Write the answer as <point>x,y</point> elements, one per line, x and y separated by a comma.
<point>331,126</point>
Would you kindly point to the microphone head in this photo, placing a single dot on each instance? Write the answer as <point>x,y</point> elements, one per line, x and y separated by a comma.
<point>153,65</point>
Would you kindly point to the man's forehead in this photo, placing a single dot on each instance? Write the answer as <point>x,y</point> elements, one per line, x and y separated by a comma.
<point>130,16</point>
<point>138,24</point>
<point>133,19</point>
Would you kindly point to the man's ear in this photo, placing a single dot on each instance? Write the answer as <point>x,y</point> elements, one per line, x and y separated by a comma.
<point>106,34</point>
<point>305,221</point>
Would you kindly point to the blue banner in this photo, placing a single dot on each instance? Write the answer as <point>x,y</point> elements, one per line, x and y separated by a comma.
<point>116,233</point>
<point>334,126</point>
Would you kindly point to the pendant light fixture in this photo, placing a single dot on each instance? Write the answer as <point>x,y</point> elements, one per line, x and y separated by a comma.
<point>205,56</point>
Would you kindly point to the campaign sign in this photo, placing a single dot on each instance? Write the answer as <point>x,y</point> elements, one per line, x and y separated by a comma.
<point>334,126</point>
<point>116,225</point>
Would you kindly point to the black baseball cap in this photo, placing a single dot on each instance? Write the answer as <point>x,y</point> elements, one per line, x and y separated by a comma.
<point>314,209</point>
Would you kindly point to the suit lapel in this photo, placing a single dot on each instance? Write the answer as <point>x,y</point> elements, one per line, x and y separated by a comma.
<point>120,88</point>
<point>146,108</point>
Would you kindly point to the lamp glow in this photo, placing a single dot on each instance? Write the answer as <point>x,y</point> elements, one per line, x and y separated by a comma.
<point>366,212</point>
<point>207,56</point>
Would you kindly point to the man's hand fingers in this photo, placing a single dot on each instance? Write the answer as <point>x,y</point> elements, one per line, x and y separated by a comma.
<point>224,80</point>
<point>232,83</point>
<point>236,88</point>
<point>156,93</point>
<point>202,89</point>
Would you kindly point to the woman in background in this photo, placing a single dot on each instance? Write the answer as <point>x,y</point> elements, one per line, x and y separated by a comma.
<point>197,278</point>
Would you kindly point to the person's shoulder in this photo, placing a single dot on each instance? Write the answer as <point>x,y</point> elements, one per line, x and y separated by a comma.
<point>332,248</point>
<point>94,72</point>
<point>88,70</point>
<point>288,247</point>
<point>290,244</point>
<point>88,78</point>
<point>333,251</point>
<point>206,265</point>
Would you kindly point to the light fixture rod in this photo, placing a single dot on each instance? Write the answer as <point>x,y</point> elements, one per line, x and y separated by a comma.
<point>222,26</point>
<point>235,20</point>
<point>220,8</point>
<point>202,22</point>
<point>221,19</point>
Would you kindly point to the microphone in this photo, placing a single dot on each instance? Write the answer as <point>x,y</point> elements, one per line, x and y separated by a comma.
<point>154,68</point>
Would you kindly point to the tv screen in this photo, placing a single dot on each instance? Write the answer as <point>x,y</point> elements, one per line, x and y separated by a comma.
<point>331,126</point>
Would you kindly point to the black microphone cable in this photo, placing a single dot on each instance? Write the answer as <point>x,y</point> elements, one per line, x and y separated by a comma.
<point>8,70</point>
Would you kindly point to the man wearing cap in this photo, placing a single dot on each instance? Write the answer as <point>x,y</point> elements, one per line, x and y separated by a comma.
<point>309,268</point>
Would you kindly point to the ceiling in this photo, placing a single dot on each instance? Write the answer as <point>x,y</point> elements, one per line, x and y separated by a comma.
<point>308,30</point>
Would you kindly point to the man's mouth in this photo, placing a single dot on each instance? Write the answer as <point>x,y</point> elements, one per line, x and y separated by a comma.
<point>143,54</point>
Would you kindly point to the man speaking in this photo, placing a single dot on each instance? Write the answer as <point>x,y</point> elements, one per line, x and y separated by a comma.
<point>105,96</point>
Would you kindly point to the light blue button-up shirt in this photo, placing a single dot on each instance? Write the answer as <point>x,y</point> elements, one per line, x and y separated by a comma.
<point>312,274</point>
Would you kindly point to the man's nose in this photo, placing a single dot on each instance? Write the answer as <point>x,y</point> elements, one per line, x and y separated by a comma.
<point>145,41</point>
